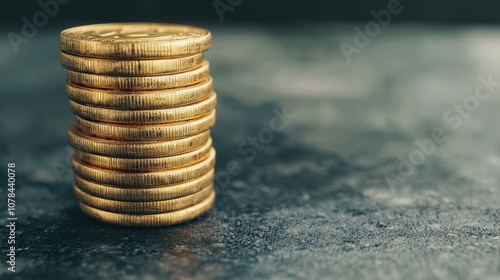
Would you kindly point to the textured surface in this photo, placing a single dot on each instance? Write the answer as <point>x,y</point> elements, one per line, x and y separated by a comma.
<point>315,203</point>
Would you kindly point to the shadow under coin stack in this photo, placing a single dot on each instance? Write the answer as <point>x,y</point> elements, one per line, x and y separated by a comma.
<point>144,106</point>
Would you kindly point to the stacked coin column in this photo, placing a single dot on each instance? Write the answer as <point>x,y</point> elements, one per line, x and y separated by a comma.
<point>144,106</point>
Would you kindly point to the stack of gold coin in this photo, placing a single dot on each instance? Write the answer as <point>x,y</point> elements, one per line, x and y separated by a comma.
<point>144,105</point>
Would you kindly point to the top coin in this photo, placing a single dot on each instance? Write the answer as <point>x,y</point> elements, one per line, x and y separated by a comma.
<point>135,40</point>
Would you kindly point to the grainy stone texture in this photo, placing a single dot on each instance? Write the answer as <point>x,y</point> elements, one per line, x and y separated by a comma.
<point>315,203</point>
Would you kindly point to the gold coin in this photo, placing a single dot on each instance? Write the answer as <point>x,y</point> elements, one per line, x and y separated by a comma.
<point>144,149</point>
<point>176,80</point>
<point>146,164</point>
<point>139,100</point>
<point>121,67</point>
<point>151,220</point>
<point>135,40</point>
<point>143,179</point>
<point>147,132</point>
<point>152,116</point>
<point>145,194</point>
<point>153,207</point>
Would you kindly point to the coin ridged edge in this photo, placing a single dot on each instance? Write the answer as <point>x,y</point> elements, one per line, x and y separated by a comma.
<point>139,100</point>
<point>123,132</point>
<point>143,179</point>
<point>146,164</point>
<point>80,45</point>
<point>183,79</point>
<point>151,116</point>
<point>127,67</point>
<point>145,194</point>
<point>151,220</point>
<point>122,149</point>
<point>152,207</point>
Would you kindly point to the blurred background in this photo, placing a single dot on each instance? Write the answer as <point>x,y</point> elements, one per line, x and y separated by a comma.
<point>260,11</point>
<point>338,194</point>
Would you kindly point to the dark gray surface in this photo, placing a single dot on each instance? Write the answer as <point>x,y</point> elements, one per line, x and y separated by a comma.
<point>315,203</point>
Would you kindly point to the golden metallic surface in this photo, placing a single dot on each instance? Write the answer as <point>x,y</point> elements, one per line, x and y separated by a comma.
<point>152,116</point>
<point>139,100</point>
<point>176,80</point>
<point>146,164</point>
<point>143,179</point>
<point>141,149</point>
<point>151,220</point>
<point>125,132</point>
<point>135,40</point>
<point>156,193</point>
<point>153,207</point>
<point>144,105</point>
<point>127,67</point>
